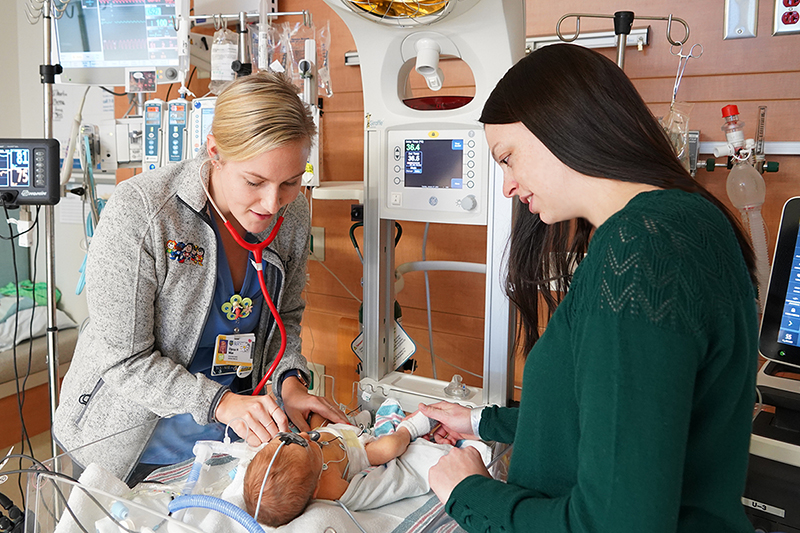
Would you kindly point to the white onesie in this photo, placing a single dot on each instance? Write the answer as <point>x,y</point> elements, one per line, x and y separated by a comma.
<point>353,446</point>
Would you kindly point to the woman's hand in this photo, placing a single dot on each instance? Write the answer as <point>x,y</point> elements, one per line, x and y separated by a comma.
<point>455,420</point>
<point>260,414</point>
<point>453,468</point>
<point>299,405</point>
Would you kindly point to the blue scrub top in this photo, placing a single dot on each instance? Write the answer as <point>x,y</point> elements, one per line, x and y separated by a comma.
<point>174,437</point>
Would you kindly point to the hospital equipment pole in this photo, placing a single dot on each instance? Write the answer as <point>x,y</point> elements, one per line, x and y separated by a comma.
<point>47,73</point>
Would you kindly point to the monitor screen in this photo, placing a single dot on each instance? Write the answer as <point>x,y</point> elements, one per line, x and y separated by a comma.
<point>434,163</point>
<point>780,326</point>
<point>789,332</point>
<point>15,166</point>
<point>29,172</point>
<point>206,120</point>
<point>97,40</point>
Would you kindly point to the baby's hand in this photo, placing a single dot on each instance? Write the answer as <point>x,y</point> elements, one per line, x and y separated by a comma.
<point>417,425</point>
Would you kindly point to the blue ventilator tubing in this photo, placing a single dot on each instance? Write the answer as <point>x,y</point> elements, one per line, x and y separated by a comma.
<point>194,475</point>
<point>219,505</point>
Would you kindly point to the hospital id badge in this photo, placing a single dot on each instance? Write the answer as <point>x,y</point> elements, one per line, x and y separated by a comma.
<point>233,354</point>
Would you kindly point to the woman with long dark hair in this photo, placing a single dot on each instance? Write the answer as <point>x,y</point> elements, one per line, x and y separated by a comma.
<point>637,399</point>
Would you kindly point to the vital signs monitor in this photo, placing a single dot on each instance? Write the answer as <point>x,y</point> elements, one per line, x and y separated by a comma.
<point>29,173</point>
<point>98,41</point>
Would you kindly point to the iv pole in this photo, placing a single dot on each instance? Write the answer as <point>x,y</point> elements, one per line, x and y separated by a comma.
<point>47,73</point>
<point>623,21</point>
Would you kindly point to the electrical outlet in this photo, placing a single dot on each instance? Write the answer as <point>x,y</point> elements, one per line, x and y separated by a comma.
<point>787,17</point>
<point>317,383</point>
<point>316,248</point>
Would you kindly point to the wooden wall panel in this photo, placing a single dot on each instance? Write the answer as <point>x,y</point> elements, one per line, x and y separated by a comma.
<point>747,72</point>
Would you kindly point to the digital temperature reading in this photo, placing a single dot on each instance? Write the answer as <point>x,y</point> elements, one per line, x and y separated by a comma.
<point>434,163</point>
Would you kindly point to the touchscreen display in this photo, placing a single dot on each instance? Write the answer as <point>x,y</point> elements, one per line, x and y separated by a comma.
<point>14,167</point>
<point>789,332</point>
<point>434,163</point>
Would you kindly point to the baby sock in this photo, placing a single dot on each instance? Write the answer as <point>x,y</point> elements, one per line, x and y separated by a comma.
<point>417,425</point>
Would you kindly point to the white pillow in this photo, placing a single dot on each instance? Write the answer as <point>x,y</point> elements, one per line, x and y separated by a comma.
<point>23,325</point>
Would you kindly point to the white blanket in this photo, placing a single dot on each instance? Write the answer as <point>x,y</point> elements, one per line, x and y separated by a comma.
<point>393,498</point>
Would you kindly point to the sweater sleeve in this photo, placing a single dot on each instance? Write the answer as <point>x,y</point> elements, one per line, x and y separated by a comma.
<point>634,388</point>
<point>499,424</point>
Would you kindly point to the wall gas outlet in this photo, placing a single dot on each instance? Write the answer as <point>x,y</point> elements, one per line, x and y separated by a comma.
<point>741,19</point>
<point>317,382</point>
<point>787,17</point>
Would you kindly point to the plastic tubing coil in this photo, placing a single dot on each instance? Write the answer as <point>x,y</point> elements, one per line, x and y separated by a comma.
<point>219,505</point>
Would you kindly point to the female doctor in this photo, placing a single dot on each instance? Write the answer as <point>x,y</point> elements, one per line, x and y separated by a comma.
<point>177,315</point>
<point>637,399</point>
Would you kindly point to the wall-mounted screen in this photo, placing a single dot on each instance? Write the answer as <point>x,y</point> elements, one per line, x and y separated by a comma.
<point>97,40</point>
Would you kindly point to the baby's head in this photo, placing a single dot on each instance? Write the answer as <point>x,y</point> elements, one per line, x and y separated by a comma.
<point>291,484</point>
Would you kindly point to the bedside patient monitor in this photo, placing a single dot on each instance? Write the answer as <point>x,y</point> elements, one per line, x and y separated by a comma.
<point>29,173</point>
<point>773,480</point>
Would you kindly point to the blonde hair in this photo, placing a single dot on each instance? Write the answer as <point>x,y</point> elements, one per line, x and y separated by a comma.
<point>288,489</point>
<point>257,113</point>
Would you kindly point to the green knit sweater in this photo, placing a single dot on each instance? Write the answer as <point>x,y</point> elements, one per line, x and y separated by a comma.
<point>637,400</point>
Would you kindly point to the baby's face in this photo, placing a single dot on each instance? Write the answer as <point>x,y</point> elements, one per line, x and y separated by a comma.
<point>314,453</point>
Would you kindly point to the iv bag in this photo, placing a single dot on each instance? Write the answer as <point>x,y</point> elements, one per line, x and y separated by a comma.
<point>224,51</point>
<point>323,72</point>
<point>676,124</point>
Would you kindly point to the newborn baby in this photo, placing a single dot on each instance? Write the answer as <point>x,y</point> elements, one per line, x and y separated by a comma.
<point>306,468</point>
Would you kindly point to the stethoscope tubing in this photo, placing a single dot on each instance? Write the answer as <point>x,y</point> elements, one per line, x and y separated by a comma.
<point>278,322</point>
<point>258,252</point>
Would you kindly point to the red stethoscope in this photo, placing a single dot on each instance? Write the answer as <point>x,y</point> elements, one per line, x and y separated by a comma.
<point>258,252</point>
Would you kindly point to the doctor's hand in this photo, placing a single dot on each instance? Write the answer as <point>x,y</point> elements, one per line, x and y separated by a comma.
<point>260,414</point>
<point>453,468</point>
<point>455,420</point>
<point>299,405</point>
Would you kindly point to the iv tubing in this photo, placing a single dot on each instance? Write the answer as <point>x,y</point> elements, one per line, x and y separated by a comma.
<point>219,505</point>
